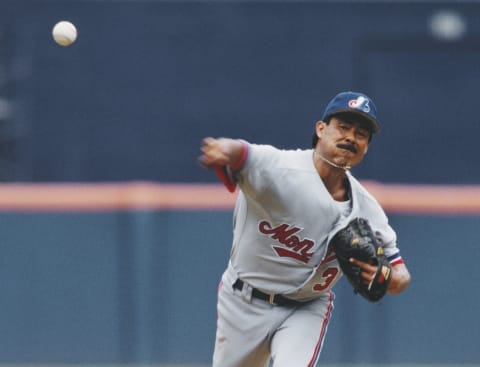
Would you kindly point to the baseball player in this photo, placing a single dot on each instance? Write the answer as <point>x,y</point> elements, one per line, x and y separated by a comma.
<point>275,298</point>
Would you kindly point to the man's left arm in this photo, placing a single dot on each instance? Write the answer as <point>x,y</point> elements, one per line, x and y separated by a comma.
<point>400,275</point>
<point>400,279</point>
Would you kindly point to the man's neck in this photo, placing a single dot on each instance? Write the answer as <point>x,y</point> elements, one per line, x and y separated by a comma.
<point>333,176</point>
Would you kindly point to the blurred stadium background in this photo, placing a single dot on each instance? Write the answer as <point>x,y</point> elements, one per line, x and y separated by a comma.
<point>113,238</point>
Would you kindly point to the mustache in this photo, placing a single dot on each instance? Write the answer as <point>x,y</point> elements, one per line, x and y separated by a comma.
<point>349,147</point>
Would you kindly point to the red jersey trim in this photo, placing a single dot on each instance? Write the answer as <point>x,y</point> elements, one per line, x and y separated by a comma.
<point>241,160</point>
<point>226,177</point>
<point>396,262</point>
<point>227,174</point>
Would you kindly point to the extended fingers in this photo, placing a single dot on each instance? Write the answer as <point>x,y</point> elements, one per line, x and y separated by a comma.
<point>363,265</point>
<point>368,271</point>
<point>209,148</point>
<point>214,153</point>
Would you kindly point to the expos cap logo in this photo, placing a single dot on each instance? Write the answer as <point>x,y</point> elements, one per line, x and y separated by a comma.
<point>360,103</point>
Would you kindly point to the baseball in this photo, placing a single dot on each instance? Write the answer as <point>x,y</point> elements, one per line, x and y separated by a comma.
<point>64,33</point>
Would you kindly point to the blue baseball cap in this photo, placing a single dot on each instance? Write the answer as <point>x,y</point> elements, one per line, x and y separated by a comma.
<point>353,102</point>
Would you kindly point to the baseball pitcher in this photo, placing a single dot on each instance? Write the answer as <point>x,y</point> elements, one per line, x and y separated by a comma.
<point>301,220</point>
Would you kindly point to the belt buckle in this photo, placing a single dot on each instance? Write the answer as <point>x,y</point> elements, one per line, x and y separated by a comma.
<point>271,298</point>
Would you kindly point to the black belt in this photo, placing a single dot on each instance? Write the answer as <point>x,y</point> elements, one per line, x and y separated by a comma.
<point>273,299</point>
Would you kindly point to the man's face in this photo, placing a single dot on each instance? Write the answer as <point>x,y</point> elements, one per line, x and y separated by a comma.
<point>343,141</point>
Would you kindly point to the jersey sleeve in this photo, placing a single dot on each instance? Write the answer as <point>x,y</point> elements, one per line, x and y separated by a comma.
<point>387,236</point>
<point>261,165</point>
<point>371,209</point>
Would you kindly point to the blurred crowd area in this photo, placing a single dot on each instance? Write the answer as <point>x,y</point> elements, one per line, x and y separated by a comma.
<point>145,81</point>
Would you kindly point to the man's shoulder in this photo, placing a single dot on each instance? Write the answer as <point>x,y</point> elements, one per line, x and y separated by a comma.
<point>272,148</point>
<point>281,157</point>
<point>361,191</point>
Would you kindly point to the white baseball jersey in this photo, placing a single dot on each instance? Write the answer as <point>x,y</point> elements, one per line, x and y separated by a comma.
<point>283,221</point>
<point>285,218</point>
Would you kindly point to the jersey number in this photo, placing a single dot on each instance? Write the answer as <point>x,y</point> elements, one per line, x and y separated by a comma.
<point>327,278</point>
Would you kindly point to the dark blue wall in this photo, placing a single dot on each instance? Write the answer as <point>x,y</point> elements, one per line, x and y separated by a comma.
<point>110,287</point>
<point>132,99</point>
<point>147,80</point>
<point>140,287</point>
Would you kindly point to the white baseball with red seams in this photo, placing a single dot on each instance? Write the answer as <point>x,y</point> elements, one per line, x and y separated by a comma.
<point>284,219</point>
<point>64,33</point>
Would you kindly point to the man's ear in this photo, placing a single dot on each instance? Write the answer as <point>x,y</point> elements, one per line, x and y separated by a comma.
<point>319,128</point>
